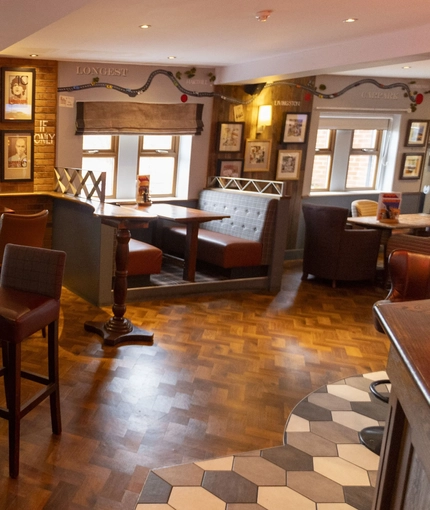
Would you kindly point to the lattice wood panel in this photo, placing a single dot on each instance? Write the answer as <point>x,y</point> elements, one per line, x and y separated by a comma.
<point>79,182</point>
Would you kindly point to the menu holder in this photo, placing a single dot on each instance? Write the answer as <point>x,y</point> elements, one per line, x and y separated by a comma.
<point>389,207</point>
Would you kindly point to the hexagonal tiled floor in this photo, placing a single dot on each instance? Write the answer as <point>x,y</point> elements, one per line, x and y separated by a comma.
<point>320,466</point>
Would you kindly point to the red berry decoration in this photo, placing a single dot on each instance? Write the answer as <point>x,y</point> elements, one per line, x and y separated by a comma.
<point>419,99</point>
<point>184,98</point>
<point>308,96</point>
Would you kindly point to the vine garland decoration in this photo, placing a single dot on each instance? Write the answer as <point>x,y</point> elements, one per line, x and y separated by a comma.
<point>413,97</point>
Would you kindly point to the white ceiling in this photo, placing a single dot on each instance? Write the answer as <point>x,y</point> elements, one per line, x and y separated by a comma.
<point>299,39</point>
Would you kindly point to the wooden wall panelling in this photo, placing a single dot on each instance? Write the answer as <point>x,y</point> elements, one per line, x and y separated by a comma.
<point>284,99</point>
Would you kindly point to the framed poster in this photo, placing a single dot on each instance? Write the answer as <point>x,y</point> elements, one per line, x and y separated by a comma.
<point>295,129</point>
<point>257,155</point>
<point>288,165</point>
<point>230,167</point>
<point>411,166</point>
<point>18,84</point>
<point>230,136</point>
<point>416,133</point>
<point>17,164</point>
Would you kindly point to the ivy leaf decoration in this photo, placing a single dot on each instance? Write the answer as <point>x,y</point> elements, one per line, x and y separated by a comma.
<point>178,75</point>
<point>191,72</point>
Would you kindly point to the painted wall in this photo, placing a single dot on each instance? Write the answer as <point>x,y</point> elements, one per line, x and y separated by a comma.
<point>160,90</point>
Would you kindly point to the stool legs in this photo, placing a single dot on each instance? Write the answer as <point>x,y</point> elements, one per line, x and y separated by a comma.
<point>13,399</point>
<point>11,352</point>
<point>54,378</point>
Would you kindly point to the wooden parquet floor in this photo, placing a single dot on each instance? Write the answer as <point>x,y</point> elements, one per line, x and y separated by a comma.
<point>223,375</point>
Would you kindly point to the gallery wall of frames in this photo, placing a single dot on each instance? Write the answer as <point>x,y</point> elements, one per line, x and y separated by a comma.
<point>27,124</point>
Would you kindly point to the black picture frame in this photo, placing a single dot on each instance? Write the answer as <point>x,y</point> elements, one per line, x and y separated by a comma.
<point>18,94</point>
<point>230,167</point>
<point>230,136</point>
<point>18,156</point>
<point>417,133</point>
<point>412,164</point>
<point>295,128</point>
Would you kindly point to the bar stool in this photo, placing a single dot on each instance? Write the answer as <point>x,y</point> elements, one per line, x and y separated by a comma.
<point>30,289</point>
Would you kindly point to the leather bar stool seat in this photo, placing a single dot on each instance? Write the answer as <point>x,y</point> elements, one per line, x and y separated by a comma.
<point>30,289</point>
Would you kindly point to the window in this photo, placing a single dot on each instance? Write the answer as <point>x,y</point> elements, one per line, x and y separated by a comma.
<point>124,157</point>
<point>158,157</point>
<point>347,153</point>
<point>100,155</point>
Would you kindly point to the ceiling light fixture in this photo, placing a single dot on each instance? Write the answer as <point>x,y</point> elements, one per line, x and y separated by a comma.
<point>350,20</point>
<point>33,55</point>
<point>171,58</point>
<point>144,26</point>
<point>406,67</point>
<point>263,15</point>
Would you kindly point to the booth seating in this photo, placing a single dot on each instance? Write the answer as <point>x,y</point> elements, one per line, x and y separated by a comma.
<point>243,240</point>
<point>143,260</point>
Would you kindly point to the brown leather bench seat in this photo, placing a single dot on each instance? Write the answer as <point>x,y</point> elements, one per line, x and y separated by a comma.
<point>216,248</point>
<point>143,258</point>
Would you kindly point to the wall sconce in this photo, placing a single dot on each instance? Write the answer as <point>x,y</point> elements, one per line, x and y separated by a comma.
<point>264,117</point>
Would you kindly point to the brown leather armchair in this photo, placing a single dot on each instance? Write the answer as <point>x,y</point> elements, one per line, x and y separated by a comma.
<point>335,252</point>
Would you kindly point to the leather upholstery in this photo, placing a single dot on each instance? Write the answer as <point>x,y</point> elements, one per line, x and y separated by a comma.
<point>23,229</point>
<point>335,252</point>
<point>410,278</point>
<point>143,258</point>
<point>216,248</point>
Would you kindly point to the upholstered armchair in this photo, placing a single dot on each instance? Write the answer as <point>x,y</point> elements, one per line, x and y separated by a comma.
<point>334,252</point>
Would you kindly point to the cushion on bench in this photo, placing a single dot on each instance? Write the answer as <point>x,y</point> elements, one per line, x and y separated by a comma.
<point>143,258</point>
<point>215,248</point>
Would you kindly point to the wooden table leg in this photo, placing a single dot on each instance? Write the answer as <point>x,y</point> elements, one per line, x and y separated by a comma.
<point>190,258</point>
<point>118,328</point>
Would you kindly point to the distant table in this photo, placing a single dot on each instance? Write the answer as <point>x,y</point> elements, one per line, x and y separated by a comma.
<point>192,219</point>
<point>118,328</point>
<point>414,222</point>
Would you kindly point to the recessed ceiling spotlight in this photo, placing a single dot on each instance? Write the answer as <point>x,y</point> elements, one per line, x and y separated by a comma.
<point>145,26</point>
<point>34,55</point>
<point>171,58</point>
<point>350,20</point>
<point>406,67</point>
<point>263,15</point>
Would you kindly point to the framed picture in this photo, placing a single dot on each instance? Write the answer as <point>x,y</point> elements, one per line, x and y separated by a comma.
<point>17,156</point>
<point>18,85</point>
<point>417,133</point>
<point>257,155</point>
<point>295,128</point>
<point>288,165</point>
<point>411,166</point>
<point>230,167</point>
<point>230,136</point>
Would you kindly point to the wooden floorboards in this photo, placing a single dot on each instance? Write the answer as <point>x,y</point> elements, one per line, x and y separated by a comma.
<point>222,377</point>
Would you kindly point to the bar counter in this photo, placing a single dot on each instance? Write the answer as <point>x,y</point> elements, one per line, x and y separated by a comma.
<point>404,471</point>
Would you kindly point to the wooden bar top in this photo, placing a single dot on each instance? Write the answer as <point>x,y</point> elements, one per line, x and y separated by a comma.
<point>407,325</point>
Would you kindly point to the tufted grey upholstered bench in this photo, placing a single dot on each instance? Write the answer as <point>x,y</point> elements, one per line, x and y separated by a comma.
<point>244,239</point>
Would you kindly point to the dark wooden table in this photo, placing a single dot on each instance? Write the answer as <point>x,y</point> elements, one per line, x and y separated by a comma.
<point>191,218</point>
<point>118,328</point>
<point>404,470</point>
